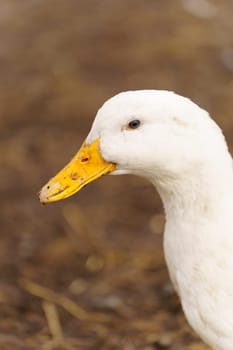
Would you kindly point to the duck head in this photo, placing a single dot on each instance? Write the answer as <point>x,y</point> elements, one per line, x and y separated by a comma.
<point>155,134</point>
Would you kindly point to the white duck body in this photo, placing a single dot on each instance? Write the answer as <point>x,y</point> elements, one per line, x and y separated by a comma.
<point>182,151</point>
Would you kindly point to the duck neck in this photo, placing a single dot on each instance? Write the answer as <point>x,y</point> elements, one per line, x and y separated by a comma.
<point>200,193</point>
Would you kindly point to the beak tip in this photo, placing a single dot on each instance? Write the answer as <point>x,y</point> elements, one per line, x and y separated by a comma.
<point>45,194</point>
<point>42,196</point>
<point>51,192</point>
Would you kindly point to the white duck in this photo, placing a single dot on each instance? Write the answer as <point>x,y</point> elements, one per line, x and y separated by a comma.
<point>175,144</point>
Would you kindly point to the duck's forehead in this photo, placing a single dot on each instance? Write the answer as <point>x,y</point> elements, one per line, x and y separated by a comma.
<point>131,104</point>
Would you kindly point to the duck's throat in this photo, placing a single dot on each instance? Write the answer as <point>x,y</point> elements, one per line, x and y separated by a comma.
<point>197,207</point>
<point>198,194</point>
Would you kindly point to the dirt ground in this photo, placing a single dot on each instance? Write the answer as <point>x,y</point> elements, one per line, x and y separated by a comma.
<point>88,272</point>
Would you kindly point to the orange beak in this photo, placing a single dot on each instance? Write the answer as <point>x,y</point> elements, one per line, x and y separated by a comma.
<point>86,166</point>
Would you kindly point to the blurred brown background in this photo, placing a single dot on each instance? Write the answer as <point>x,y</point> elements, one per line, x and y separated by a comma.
<point>59,61</point>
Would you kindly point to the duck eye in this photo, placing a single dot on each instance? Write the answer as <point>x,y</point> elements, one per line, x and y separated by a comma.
<point>134,124</point>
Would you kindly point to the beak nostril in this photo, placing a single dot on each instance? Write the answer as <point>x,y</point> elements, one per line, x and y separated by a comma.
<point>84,160</point>
<point>48,187</point>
